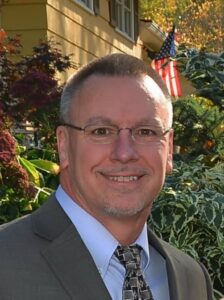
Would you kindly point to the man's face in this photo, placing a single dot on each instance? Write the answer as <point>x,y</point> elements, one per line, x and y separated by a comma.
<point>123,178</point>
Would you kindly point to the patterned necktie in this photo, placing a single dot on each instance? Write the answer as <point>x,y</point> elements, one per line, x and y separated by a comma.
<point>135,286</point>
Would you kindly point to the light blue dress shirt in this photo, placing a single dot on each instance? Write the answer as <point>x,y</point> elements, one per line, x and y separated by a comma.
<point>101,245</point>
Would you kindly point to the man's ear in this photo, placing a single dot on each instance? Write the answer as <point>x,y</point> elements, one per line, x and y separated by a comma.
<point>62,142</point>
<point>169,163</point>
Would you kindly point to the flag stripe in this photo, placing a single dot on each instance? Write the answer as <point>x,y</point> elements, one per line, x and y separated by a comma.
<point>177,80</point>
<point>166,67</point>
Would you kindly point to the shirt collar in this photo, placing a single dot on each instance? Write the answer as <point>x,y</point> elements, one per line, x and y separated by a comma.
<point>95,236</point>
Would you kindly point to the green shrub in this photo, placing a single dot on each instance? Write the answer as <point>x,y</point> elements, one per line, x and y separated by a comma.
<point>205,71</point>
<point>29,91</point>
<point>27,178</point>
<point>198,126</point>
<point>189,213</point>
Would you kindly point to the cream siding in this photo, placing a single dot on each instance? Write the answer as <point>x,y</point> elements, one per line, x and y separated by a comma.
<point>79,31</point>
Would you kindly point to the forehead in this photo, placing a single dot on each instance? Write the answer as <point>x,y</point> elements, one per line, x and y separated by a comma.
<point>120,98</point>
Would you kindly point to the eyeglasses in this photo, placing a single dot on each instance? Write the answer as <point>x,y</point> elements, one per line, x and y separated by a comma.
<point>107,134</point>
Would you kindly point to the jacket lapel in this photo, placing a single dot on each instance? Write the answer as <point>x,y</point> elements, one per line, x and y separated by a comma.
<point>67,255</point>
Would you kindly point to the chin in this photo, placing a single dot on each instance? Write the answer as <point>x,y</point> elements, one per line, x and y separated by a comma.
<point>124,211</point>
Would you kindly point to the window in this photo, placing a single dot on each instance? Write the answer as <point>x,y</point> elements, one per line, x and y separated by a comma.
<point>92,5</point>
<point>124,16</point>
<point>87,3</point>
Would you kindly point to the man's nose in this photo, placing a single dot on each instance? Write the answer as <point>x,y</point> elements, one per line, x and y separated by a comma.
<point>124,148</point>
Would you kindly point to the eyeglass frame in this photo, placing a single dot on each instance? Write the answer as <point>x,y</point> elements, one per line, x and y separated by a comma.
<point>117,133</point>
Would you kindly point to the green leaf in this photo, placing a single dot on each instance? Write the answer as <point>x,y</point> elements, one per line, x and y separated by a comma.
<point>192,210</point>
<point>46,165</point>
<point>180,223</point>
<point>157,217</point>
<point>220,239</point>
<point>169,219</point>
<point>209,213</point>
<point>31,170</point>
<point>219,219</point>
<point>182,237</point>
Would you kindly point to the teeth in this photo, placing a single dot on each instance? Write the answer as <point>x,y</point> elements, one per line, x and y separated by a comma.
<point>123,178</point>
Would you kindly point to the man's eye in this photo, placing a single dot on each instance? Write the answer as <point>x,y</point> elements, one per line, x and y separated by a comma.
<point>101,131</point>
<point>146,132</point>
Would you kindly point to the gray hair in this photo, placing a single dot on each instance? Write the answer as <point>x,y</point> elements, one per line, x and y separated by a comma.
<point>117,64</point>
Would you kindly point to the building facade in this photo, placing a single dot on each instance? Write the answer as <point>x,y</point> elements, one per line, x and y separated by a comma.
<point>85,28</point>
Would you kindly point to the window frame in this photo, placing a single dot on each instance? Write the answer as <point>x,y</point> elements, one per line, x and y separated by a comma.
<point>93,8</point>
<point>113,8</point>
<point>122,26</point>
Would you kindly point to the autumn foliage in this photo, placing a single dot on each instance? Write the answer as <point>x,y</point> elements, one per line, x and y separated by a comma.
<point>29,96</point>
<point>199,23</point>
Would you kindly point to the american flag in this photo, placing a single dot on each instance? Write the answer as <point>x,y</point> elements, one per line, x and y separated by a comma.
<point>166,67</point>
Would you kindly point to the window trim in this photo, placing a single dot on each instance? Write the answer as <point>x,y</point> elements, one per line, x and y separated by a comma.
<point>131,12</point>
<point>134,19</point>
<point>94,9</point>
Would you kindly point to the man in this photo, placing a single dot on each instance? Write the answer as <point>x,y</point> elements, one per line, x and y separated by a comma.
<point>115,147</point>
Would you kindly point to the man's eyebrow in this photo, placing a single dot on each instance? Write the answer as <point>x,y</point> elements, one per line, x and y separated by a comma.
<point>107,121</point>
<point>99,120</point>
<point>148,122</point>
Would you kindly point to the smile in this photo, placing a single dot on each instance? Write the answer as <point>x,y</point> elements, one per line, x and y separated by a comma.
<point>123,178</point>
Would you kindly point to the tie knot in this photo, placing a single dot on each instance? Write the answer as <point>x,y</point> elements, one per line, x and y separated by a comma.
<point>129,256</point>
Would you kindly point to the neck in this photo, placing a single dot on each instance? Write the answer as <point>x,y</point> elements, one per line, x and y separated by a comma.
<point>125,229</point>
<point>125,233</point>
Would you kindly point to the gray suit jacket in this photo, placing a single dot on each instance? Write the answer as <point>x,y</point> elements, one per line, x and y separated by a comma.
<point>42,257</point>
